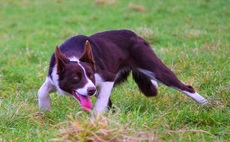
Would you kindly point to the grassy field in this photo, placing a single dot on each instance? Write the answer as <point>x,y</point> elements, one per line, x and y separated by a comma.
<point>191,37</point>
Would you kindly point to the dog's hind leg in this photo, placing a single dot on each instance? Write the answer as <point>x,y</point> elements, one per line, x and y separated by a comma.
<point>147,86</point>
<point>148,63</point>
<point>175,83</point>
<point>168,78</point>
<point>43,95</point>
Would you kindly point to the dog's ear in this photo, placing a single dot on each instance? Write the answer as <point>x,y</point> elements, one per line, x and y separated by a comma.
<point>87,55</point>
<point>61,60</point>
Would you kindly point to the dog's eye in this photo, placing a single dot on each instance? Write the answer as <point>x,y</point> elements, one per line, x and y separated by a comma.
<point>76,78</point>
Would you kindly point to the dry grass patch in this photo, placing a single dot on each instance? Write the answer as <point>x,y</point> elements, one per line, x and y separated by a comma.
<point>105,2</point>
<point>144,32</point>
<point>139,8</point>
<point>101,129</point>
<point>194,33</point>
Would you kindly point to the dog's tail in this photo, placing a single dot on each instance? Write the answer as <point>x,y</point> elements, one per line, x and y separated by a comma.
<point>145,84</point>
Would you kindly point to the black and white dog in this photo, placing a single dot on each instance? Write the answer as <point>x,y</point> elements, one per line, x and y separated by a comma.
<point>85,66</point>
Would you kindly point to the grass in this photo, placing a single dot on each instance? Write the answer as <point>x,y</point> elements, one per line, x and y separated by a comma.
<point>191,37</point>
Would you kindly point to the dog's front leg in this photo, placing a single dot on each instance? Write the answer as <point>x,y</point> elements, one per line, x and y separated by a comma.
<point>43,95</point>
<point>103,97</point>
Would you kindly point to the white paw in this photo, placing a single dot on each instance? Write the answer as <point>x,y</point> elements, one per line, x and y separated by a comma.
<point>205,103</point>
<point>44,104</point>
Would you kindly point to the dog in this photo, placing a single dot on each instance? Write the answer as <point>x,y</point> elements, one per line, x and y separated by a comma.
<point>85,66</point>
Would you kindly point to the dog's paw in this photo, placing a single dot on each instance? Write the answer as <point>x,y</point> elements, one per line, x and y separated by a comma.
<point>44,105</point>
<point>44,108</point>
<point>206,103</point>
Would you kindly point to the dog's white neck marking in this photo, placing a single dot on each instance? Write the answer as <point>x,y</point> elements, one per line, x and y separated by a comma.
<point>98,80</point>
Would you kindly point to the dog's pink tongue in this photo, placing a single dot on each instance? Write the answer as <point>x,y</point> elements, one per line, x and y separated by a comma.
<point>85,102</point>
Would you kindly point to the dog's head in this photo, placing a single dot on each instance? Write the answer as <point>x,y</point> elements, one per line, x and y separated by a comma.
<point>77,77</point>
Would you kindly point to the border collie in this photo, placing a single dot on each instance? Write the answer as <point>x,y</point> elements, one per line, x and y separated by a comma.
<point>84,66</point>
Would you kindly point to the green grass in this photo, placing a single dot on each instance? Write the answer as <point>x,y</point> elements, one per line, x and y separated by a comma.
<point>191,37</point>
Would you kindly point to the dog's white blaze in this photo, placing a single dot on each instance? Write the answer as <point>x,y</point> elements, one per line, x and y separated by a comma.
<point>103,97</point>
<point>197,97</point>
<point>84,90</point>
<point>75,59</point>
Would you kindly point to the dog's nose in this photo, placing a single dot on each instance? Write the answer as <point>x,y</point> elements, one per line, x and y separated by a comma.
<point>91,91</point>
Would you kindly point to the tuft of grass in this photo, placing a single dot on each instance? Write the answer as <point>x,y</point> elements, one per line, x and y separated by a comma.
<point>100,129</point>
